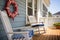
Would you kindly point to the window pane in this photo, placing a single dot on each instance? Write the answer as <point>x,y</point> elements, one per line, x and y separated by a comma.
<point>35,13</point>
<point>35,4</point>
<point>44,8</point>
<point>44,14</point>
<point>30,3</point>
<point>29,11</point>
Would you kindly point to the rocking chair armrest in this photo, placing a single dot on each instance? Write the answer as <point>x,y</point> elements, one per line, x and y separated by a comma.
<point>33,23</point>
<point>18,32</point>
<point>37,22</point>
<point>40,22</point>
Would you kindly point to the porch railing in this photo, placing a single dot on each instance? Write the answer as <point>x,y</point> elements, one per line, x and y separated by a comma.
<point>50,20</point>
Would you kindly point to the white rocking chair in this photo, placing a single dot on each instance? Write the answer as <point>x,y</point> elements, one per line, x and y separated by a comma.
<point>33,22</point>
<point>8,28</point>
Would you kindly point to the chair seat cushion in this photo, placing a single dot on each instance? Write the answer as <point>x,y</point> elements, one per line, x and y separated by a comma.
<point>35,25</point>
<point>17,36</point>
<point>31,33</point>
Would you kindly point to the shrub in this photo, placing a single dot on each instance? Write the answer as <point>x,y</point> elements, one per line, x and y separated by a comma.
<point>57,24</point>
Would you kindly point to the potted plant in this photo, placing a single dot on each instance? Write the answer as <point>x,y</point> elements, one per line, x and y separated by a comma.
<point>57,25</point>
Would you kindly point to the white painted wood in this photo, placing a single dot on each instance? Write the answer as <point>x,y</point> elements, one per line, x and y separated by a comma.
<point>6,24</point>
<point>33,1</point>
<point>26,12</point>
<point>45,4</point>
<point>8,27</point>
<point>5,21</point>
<point>32,19</point>
<point>39,9</point>
<point>33,7</point>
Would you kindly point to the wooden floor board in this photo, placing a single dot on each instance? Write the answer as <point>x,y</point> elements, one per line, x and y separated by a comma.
<point>51,34</point>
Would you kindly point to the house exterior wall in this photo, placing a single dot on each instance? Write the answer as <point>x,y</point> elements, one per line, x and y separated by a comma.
<point>19,20</point>
<point>44,6</point>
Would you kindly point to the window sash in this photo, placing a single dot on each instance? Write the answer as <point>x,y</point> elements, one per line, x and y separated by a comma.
<point>32,7</point>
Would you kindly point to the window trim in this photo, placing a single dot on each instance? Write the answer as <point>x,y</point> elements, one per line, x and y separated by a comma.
<point>33,11</point>
<point>33,7</point>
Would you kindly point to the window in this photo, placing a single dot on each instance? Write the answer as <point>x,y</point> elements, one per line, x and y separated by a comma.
<point>29,7</point>
<point>35,5</point>
<point>44,14</point>
<point>32,7</point>
<point>30,11</point>
<point>30,3</point>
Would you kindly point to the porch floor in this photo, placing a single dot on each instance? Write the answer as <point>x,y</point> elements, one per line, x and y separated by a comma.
<point>51,34</point>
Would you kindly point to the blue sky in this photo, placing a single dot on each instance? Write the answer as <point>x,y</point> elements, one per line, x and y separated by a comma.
<point>54,6</point>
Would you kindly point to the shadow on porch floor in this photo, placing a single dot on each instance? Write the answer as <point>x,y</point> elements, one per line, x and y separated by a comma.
<point>51,34</point>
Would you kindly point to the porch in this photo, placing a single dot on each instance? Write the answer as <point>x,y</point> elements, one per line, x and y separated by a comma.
<point>41,14</point>
<point>51,34</point>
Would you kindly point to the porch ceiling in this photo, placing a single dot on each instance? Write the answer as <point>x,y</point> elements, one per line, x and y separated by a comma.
<point>47,2</point>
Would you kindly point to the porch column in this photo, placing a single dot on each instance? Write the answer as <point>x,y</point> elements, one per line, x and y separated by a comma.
<point>33,7</point>
<point>47,20</point>
<point>39,9</point>
<point>26,12</point>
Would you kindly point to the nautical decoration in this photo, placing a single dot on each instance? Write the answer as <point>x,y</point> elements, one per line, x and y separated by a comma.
<point>15,12</point>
